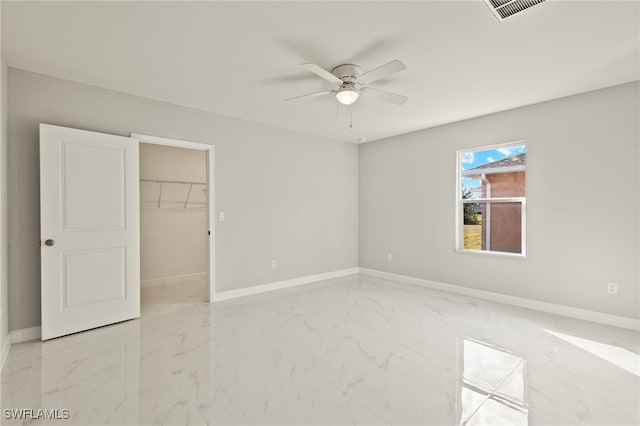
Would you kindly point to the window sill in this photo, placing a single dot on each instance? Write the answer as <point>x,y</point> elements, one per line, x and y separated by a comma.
<point>520,256</point>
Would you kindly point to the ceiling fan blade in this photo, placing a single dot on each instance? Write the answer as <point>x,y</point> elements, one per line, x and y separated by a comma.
<point>321,72</point>
<point>393,98</point>
<point>382,71</point>
<point>311,95</point>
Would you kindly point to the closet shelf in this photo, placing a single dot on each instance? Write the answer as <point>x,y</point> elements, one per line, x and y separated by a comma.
<point>180,182</point>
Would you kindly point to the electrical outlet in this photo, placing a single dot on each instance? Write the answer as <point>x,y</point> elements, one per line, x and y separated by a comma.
<point>389,257</point>
<point>220,216</point>
<point>273,264</point>
<point>612,288</point>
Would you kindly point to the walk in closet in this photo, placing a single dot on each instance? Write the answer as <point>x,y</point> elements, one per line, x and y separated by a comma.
<point>173,225</point>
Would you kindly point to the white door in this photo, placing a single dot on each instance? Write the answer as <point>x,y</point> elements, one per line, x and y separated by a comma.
<point>89,229</point>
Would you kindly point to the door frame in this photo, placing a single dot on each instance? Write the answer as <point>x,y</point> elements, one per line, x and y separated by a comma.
<point>156,140</point>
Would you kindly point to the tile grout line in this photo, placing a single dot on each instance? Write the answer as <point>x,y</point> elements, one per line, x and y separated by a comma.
<point>495,389</point>
<point>359,404</point>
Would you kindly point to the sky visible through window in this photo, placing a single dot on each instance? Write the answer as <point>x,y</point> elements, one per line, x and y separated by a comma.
<point>471,159</point>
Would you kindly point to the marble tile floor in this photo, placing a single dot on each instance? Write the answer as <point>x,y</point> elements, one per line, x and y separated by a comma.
<point>356,350</point>
<point>163,298</point>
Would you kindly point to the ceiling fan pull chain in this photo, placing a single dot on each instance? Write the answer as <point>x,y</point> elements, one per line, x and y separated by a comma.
<point>344,121</point>
<point>350,117</point>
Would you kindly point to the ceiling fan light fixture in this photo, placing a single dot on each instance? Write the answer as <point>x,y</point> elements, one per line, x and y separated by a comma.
<point>347,95</point>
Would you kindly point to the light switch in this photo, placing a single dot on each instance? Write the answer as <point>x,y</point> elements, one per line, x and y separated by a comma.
<point>220,216</point>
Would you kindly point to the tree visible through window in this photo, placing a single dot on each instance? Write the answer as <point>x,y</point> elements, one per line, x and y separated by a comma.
<point>491,199</point>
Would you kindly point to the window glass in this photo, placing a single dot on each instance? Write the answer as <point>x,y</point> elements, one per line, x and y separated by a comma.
<point>495,177</point>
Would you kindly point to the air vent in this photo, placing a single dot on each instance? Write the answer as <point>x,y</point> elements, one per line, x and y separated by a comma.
<point>503,9</point>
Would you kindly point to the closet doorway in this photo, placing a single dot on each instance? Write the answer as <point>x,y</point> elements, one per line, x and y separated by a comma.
<point>176,226</point>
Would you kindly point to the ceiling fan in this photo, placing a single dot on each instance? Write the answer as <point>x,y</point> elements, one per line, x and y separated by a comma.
<point>351,82</point>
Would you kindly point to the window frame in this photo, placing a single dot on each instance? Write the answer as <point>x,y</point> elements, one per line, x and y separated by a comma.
<point>460,202</point>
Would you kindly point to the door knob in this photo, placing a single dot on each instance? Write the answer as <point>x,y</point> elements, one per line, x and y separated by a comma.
<point>49,242</point>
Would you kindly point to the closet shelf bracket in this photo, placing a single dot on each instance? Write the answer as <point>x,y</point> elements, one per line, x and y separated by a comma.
<point>188,195</point>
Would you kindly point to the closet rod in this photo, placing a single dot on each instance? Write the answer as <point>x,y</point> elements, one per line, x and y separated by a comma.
<point>184,182</point>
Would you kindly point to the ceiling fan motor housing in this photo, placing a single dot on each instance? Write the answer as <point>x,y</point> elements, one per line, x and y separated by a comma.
<point>347,72</point>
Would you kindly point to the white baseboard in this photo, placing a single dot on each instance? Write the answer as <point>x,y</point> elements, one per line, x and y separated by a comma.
<point>34,333</point>
<point>278,285</point>
<point>5,351</point>
<point>567,311</point>
<point>173,280</point>
<point>25,334</point>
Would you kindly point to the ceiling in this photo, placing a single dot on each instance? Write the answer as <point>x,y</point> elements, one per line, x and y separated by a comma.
<point>242,59</point>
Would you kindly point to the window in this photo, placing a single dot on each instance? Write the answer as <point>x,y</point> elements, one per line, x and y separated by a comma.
<point>490,207</point>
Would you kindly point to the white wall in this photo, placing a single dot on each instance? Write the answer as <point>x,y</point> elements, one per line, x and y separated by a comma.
<point>4,263</point>
<point>173,239</point>
<point>294,197</point>
<point>582,202</point>
<point>287,196</point>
